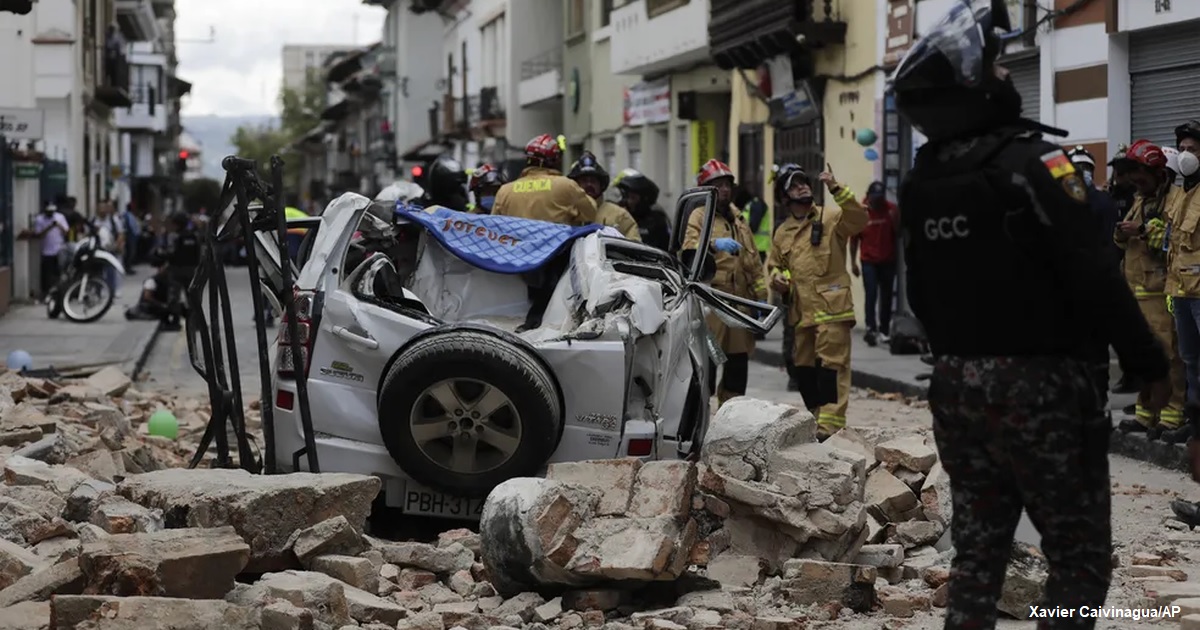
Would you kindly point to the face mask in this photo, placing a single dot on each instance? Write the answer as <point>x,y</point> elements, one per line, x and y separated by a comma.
<point>806,200</point>
<point>1189,164</point>
<point>487,202</point>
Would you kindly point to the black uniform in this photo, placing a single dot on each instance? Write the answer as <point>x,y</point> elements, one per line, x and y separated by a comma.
<point>1012,290</point>
<point>653,226</point>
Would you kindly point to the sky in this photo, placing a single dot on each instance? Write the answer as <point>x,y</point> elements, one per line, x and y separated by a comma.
<point>238,72</point>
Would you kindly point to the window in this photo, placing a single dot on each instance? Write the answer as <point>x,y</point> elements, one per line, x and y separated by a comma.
<point>608,153</point>
<point>575,15</point>
<point>606,8</point>
<point>655,8</point>
<point>634,142</point>
<point>494,72</point>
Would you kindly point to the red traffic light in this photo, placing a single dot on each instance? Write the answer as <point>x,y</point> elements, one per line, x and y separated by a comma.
<point>417,171</point>
<point>183,155</point>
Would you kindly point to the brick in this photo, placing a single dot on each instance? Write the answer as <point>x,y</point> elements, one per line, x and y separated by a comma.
<point>663,488</point>
<point>613,479</point>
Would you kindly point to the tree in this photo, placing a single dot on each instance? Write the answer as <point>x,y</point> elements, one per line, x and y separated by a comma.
<point>202,193</point>
<point>300,112</point>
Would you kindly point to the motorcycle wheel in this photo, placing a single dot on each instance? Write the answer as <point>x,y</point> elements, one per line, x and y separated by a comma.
<point>96,292</point>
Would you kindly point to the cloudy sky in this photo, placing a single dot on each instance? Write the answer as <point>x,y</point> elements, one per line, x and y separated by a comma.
<point>238,73</point>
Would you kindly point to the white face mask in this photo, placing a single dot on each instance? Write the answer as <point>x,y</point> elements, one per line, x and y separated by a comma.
<point>1188,163</point>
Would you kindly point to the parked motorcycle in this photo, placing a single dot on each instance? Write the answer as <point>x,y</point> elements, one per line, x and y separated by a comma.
<point>82,294</point>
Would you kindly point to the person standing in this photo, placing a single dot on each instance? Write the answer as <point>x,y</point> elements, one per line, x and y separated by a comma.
<point>51,227</point>
<point>593,179</point>
<point>808,263</point>
<point>111,232</point>
<point>738,272</point>
<point>639,195</point>
<point>757,216</point>
<point>876,248</point>
<point>485,182</point>
<point>1183,273</point>
<point>1142,234</point>
<point>1006,277</point>
<point>542,192</point>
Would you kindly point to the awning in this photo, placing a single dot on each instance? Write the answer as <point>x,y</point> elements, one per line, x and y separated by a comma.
<point>344,66</point>
<point>425,151</point>
<point>336,111</point>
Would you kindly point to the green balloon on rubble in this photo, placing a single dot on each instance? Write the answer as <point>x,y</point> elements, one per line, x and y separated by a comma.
<point>163,424</point>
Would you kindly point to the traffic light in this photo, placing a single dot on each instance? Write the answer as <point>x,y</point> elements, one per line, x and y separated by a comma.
<point>181,164</point>
<point>20,7</point>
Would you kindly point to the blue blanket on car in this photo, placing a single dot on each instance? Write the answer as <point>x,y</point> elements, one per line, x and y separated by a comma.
<point>495,243</point>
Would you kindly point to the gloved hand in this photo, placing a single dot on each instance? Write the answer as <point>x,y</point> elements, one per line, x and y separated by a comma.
<point>727,245</point>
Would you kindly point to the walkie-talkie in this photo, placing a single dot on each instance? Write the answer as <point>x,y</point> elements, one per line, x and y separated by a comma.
<point>818,226</point>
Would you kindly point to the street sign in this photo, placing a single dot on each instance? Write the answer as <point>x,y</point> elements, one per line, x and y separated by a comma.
<point>22,123</point>
<point>27,170</point>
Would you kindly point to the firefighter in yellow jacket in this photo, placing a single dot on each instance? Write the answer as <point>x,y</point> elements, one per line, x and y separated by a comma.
<point>1142,234</point>
<point>1183,272</point>
<point>541,192</point>
<point>593,179</point>
<point>739,272</point>
<point>485,182</point>
<point>808,258</point>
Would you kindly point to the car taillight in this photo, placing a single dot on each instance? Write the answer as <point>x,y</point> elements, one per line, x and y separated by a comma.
<point>284,400</point>
<point>639,448</point>
<point>286,364</point>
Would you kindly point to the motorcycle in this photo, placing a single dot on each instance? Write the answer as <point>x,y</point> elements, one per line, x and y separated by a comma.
<point>82,294</point>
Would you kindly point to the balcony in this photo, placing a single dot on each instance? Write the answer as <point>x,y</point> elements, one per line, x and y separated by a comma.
<point>163,8</point>
<point>113,87</point>
<point>541,80</point>
<point>653,36</point>
<point>147,113</point>
<point>137,20</point>
<point>745,33</point>
<point>491,108</point>
<point>457,116</point>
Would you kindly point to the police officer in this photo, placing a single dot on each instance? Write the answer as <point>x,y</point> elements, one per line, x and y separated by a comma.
<point>739,272</point>
<point>593,179</point>
<point>807,262</point>
<point>1007,287</point>
<point>757,215</point>
<point>639,195</point>
<point>445,184</point>
<point>541,192</point>
<point>1142,235</point>
<point>485,183</point>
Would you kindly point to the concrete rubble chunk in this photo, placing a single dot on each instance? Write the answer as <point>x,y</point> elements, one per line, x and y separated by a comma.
<point>26,616</point>
<point>881,556</point>
<point>22,471</point>
<point>822,475</point>
<point>422,621</point>
<point>664,488</point>
<point>719,600</point>
<point>192,563</point>
<point>464,537</point>
<point>935,496</point>
<point>521,604</point>
<point>440,560</point>
<point>264,509</point>
<point>612,479</point>
<point>16,562</point>
<point>355,571</point>
<point>324,596</point>
<point>57,549</point>
<point>84,498</point>
<point>117,515</point>
<point>647,549</point>
<point>96,464</point>
<point>284,615</point>
<point>888,496</point>
<point>149,613</point>
<point>815,582</point>
<point>737,570</point>
<point>1166,593</point>
<point>110,381</point>
<point>64,578</point>
<point>361,606</point>
<point>917,533</point>
<point>745,432</point>
<point>1024,580</point>
<point>852,441</point>
<point>26,524</point>
<point>900,602</point>
<point>909,452</point>
<point>331,536</point>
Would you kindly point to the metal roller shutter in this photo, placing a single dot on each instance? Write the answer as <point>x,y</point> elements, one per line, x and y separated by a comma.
<point>1163,66</point>
<point>1026,73</point>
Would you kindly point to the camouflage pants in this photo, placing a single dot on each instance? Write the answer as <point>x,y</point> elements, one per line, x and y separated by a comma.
<point>1026,433</point>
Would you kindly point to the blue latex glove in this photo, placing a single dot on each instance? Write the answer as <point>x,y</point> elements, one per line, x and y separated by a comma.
<point>727,245</point>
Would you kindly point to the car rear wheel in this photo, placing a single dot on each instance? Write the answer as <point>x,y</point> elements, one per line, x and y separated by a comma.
<point>462,411</point>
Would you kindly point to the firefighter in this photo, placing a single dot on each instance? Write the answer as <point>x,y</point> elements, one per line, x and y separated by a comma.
<point>639,195</point>
<point>541,192</point>
<point>808,260</point>
<point>445,184</point>
<point>1183,273</point>
<point>1141,234</point>
<point>485,183</point>
<point>593,179</point>
<point>738,272</point>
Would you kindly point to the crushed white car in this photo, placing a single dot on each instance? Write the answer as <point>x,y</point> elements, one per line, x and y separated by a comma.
<point>415,372</point>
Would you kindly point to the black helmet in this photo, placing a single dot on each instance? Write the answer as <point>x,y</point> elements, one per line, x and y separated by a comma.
<point>631,181</point>
<point>588,165</point>
<point>786,176</point>
<point>947,84</point>
<point>1189,129</point>
<point>1082,156</point>
<point>445,181</point>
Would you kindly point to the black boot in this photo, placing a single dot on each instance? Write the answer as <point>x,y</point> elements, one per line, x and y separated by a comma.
<point>1176,435</point>
<point>1133,426</point>
<point>1186,511</point>
<point>1127,385</point>
<point>872,338</point>
<point>793,384</point>
<point>1129,410</point>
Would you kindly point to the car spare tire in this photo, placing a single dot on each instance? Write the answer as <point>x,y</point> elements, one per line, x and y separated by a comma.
<point>463,410</point>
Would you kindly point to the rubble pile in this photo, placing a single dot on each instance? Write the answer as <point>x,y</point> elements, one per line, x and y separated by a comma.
<point>101,527</point>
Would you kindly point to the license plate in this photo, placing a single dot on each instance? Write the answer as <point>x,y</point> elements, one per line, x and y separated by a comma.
<point>421,501</point>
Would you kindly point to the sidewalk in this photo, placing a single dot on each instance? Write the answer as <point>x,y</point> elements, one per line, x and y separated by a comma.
<point>877,369</point>
<point>62,343</point>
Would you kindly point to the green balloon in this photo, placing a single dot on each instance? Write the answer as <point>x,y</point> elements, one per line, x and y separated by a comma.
<point>163,424</point>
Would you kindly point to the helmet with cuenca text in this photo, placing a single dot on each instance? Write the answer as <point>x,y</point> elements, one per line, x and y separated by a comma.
<point>948,84</point>
<point>587,164</point>
<point>486,176</point>
<point>544,151</point>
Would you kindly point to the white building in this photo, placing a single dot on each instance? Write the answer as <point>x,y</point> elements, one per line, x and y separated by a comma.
<point>303,60</point>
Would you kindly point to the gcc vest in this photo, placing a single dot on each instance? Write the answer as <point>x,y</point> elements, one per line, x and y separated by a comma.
<point>979,256</point>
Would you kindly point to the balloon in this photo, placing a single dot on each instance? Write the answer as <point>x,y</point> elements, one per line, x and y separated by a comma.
<point>866,137</point>
<point>163,424</point>
<point>871,155</point>
<point>19,360</point>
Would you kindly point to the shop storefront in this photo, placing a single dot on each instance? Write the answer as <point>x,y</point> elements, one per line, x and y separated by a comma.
<point>1164,68</point>
<point>1025,69</point>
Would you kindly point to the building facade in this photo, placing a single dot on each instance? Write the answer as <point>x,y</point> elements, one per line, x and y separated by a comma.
<point>301,61</point>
